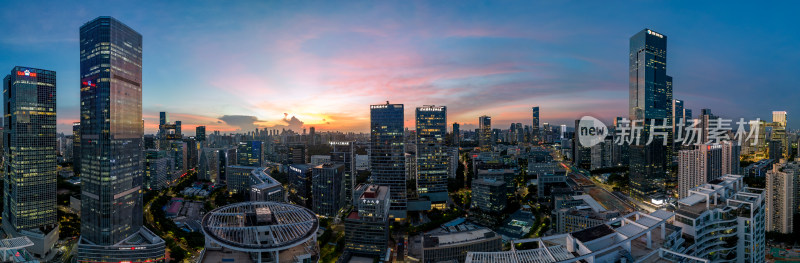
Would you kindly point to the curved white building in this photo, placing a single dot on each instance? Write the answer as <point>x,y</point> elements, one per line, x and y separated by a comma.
<point>260,232</point>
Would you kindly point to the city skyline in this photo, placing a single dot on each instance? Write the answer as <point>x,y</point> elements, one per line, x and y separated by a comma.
<point>324,68</point>
<point>395,156</point>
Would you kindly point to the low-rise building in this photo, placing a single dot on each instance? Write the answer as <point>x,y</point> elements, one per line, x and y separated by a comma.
<point>723,220</point>
<point>452,246</point>
<point>489,195</point>
<point>580,212</point>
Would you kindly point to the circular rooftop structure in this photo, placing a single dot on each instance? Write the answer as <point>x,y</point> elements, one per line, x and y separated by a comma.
<point>260,226</point>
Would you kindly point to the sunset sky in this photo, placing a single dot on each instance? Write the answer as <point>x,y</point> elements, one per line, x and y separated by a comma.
<point>233,65</point>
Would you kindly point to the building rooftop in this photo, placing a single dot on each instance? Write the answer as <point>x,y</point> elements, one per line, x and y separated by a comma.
<point>259,226</point>
<point>455,238</point>
<point>375,192</point>
<point>590,202</point>
<point>224,255</point>
<point>624,237</point>
<point>593,233</point>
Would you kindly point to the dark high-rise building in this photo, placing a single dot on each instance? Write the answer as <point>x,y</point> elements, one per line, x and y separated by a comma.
<point>249,153</point>
<point>163,118</point>
<point>76,148</point>
<point>157,169</point>
<point>312,136</point>
<point>535,125</point>
<point>705,119</point>
<point>432,155</point>
<point>456,134</point>
<point>677,114</point>
<point>200,133</point>
<point>344,153</point>
<point>775,150</point>
<point>296,153</point>
<point>111,146</point>
<point>485,141</point>
<point>192,153</point>
<point>299,177</point>
<point>328,189</point>
<point>387,156</point>
<point>29,123</point>
<point>650,99</point>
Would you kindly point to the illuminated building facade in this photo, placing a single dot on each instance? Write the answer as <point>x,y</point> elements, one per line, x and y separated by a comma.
<point>249,153</point>
<point>344,153</point>
<point>168,130</point>
<point>432,154</point>
<point>650,99</point>
<point>29,124</point>
<point>327,183</point>
<point>367,228</point>
<point>112,146</point>
<point>485,141</point>
<point>387,156</point>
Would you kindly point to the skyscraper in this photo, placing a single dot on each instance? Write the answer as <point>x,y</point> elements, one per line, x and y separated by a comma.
<point>367,226</point>
<point>535,124</point>
<point>387,156</point>
<point>677,114</point>
<point>779,117</point>
<point>432,155</point>
<point>782,182</point>
<point>485,133</point>
<point>112,146</point>
<point>650,99</point>
<point>312,136</point>
<point>168,131</point>
<point>76,148</point>
<point>699,166</point>
<point>29,193</point>
<point>456,134</point>
<point>344,153</point>
<point>327,188</point>
<point>200,133</point>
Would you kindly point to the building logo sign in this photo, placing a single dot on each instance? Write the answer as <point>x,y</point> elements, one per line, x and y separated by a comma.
<point>26,73</point>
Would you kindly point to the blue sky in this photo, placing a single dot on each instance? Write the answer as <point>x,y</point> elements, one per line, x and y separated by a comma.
<point>238,65</point>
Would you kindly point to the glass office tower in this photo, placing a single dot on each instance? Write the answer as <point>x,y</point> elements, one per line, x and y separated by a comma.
<point>343,153</point>
<point>456,134</point>
<point>29,205</point>
<point>432,155</point>
<point>112,146</point>
<point>387,156</point>
<point>76,148</point>
<point>249,153</point>
<point>200,133</point>
<point>535,124</point>
<point>650,99</point>
<point>485,141</point>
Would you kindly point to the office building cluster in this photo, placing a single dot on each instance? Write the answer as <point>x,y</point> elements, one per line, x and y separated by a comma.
<point>473,193</point>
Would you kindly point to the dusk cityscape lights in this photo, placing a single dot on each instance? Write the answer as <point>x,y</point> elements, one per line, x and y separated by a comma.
<point>425,131</point>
